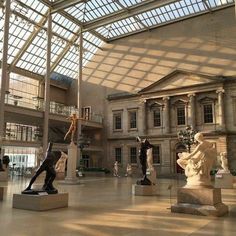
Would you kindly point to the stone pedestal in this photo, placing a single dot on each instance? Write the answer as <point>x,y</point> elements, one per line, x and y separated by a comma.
<point>3,176</point>
<point>1,193</point>
<point>71,165</point>
<point>200,201</point>
<point>144,190</point>
<point>40,202</point>
<point>223,180</point>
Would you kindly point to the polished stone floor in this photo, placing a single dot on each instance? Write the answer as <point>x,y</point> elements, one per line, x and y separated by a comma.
<point>106,207</point>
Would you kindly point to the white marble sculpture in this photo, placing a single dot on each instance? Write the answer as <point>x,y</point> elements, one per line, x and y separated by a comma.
<point>224,162</point>
<point>116,169</point>
<point>149,159</point>
<point>198,164</point>
<point>61,163</point>
<point>128,170</point>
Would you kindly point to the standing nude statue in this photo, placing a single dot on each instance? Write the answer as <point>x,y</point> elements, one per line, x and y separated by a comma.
<point>224,162</point>
<point>73,126</point>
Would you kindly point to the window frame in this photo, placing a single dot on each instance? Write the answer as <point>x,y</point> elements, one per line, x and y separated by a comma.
<point>130,155</point>
<point>115,114</point>
<point>177,117</point>
<point>129,119</point>
<point>203,112</point>
<point>153,153</point>
<point>121,155</point>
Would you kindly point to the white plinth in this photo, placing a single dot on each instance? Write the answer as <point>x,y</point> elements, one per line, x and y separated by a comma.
<point>71,165</point>
<point>223,180</point>
<point>3,176</point>
<point>1,193</point>
<point>144,190</point>
<point>200,201</point>
<point>40,202</point>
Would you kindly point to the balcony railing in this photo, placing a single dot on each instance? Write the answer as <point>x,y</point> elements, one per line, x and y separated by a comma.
<point>37,103</point>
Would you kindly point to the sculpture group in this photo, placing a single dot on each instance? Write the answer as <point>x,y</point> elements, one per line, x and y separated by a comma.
<point>198,164</point>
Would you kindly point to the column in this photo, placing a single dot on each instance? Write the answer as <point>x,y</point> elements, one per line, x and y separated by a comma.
<point>79,100</point>
<point>47,85</point>
<point>166,115</point>
<point>192,111</point>
<point>4,78</point>
<point>143,109</point>
<point>221,117</point>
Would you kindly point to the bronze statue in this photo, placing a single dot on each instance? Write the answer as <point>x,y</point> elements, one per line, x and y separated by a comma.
<point>48,166</point>
<point>144,146</point>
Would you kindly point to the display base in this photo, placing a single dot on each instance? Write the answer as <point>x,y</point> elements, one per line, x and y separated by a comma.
<point>3,176</point>
<point>218,209</point>
<point>40,202</point>
<point>223,180</point>
<point>144,190</point>
<point>200,201</point>
<point>1,193</point>
<point>39,191</point>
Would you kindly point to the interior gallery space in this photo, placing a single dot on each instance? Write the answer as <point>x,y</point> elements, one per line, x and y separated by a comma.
<point>117,117</point>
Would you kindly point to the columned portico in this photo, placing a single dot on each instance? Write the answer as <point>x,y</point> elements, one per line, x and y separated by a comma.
<point>166,115</point>
<point>143,105</point>
<point>192,110</point>
<point>221,117</point>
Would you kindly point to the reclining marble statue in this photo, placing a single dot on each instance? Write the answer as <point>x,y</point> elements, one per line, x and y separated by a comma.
<point>47,165</point>
<point>198,164</point>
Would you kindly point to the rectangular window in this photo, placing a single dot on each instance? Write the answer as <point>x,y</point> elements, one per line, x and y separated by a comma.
<point>86,113</point>
<point>157,118</point>
<point>181,115</point>
<point>133,155</point>
<point>118,155</point>
<point>117,121</point>
<point>133,119</point>
<point>156,155</point>
<point>208,113</point>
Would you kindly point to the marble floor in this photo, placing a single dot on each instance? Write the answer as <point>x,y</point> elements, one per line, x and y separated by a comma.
<point>106,207</point>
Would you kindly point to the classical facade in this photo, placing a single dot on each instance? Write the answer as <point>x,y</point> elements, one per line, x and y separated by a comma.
<point>159,111</point>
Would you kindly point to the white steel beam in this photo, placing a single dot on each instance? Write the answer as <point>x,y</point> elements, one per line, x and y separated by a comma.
<point>4,77</point>
<point>122,14</point>
<point>61,5</point>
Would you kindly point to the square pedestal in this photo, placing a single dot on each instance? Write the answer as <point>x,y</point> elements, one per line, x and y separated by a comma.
<point>224,180</point>
<point>200,201</point>
<point>1,193</point>
<point>144,190</point>
<point>40,202</point>
<point>3,176</point>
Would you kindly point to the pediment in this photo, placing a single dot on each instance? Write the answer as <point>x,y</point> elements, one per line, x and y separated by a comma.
<point>180,79</point>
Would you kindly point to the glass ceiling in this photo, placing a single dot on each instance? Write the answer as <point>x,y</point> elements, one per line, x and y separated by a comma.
<point>101,21</point>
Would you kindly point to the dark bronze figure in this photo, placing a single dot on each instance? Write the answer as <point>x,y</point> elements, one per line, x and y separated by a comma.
<point>144,146</point>
<point>47,165</point>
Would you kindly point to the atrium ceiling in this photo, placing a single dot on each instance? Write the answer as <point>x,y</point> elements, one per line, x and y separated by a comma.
<point>100,21</point>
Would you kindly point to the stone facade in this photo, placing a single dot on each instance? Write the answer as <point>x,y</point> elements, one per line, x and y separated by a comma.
<point>179,99</point>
